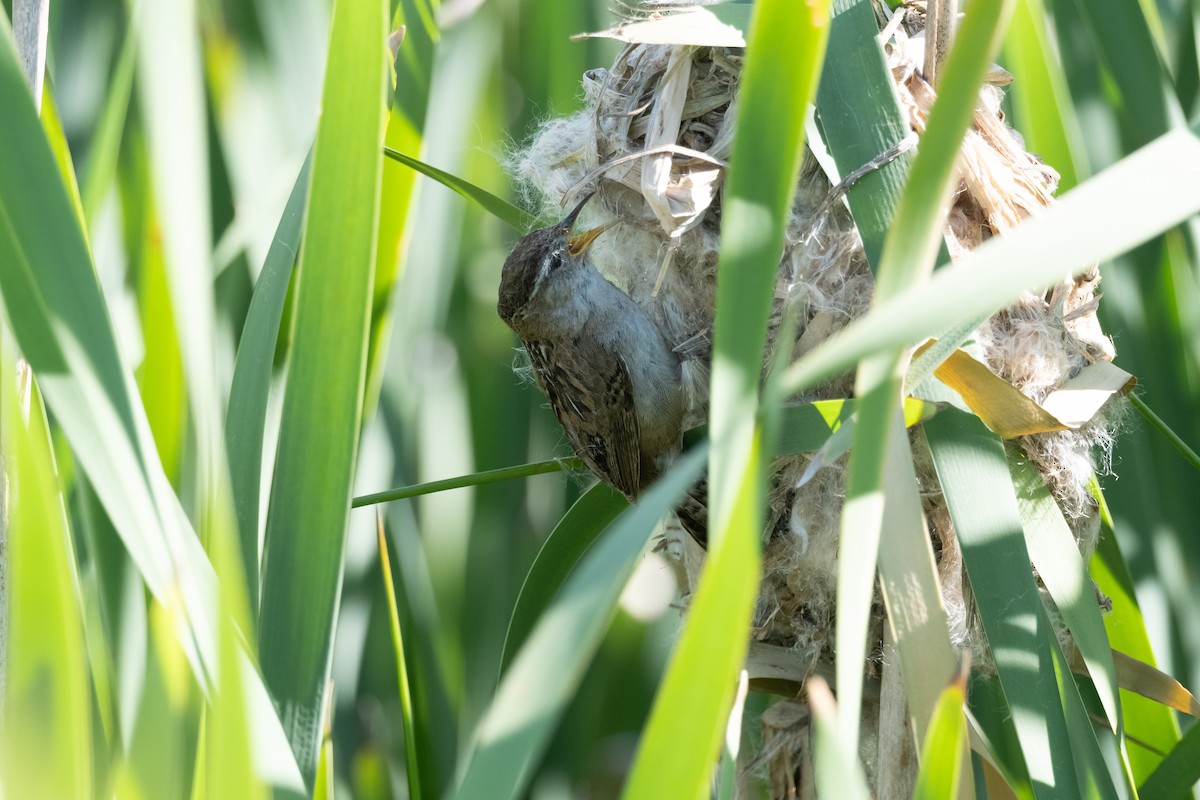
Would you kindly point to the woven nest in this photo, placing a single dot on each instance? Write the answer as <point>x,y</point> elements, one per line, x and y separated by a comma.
<point>676,103</point>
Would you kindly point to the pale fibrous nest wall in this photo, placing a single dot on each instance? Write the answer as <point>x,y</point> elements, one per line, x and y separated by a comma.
<point>677,104</point>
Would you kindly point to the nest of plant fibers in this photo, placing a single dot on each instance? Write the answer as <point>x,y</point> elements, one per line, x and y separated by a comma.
<point>654,139</point>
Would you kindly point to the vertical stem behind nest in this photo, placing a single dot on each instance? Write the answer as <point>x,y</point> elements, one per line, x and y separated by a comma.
<point>31,20</point>
<point>896,769</point>
<point>939,33</point>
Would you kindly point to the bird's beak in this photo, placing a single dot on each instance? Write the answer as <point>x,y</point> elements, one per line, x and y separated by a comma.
<point>579,243</point>
<point>569,220</point>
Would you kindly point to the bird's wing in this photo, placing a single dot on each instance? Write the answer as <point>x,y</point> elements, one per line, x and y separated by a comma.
<point>593,400</point>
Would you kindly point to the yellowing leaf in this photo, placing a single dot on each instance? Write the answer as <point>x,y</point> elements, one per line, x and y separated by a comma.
<point>1009,413</point>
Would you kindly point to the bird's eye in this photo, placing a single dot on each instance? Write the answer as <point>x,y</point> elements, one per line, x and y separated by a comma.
<point>554,259</point>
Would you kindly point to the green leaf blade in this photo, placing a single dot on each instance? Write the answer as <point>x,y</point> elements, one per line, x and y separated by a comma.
<point>547,670</point>
<point>47,737</point>
<point>676,755</point>
<point>318,440</point>
<point>249,391</point>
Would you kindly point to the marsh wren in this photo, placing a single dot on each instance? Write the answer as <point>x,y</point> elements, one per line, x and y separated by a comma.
<point>612,378</point>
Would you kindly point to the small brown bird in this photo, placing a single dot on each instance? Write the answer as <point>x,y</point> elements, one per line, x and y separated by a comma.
<point>613,380</point>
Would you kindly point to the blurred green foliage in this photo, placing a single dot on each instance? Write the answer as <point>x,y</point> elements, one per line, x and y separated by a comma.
<point>471,89</point>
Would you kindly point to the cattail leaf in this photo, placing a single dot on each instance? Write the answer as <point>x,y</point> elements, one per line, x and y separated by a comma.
<point>406,120</point>
<point>500,208</point>
<point>246,417</point>
<point>52,125</point>
<point>46,745</point>
<point>544,675</point>
<point>836,769</point>
<point>1055,556</point>
<point>583,523</point>
<point>1151,729</point>
<point>1047,712</point>
<point>56,309</point>
<point>1176,776</point>
<point>941,754</point>
<point>227,762</point>
<point>909,251</point>
<point>911,589</point>
<point>994,737</point>
<point>408,721</point>
<point>100,172</point>
<point>1040,96</point>
<point>1009,413</point>
<point>861,120</point>
<point>675,758</point>
<point>1151,682</point>
<point>322,403</point>
<point>172,107</point>
<point>690,711</point>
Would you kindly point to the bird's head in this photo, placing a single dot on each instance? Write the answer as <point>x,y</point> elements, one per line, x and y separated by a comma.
<point>539,259</point>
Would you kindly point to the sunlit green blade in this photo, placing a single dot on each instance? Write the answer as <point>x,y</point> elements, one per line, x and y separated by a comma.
<point>52,124</point>
<point>414,61</point>
<point>251,386</point>
<point>909,251</point>
<point>941,755</point>
<point>165,734</point>
<point>173,113</point>
<point>681,739</point>
<point>323,784</point>
<point>1043,111</point>
<point>1109,214</point>
<point>497,206</point>
<point>1053,550</point>
<point>836,770</point>
<point>546,672</point>
<point>57,312</point>
<point>1151,728</point>
<point>911,590</point>
<point>973,473</point>
<point>773,111</point>
<point>405,124</point>
<point>991,723</point>
<point>229,768</point>
<point>561,551</point>
<point>318,437</point>
<point>411,762</point>
<point>1056,558</point>
<point>1178,773</point>
<point>161,378</point>
<point>396,195</point>
<point>45,735</point>
<point>1090,765</point>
